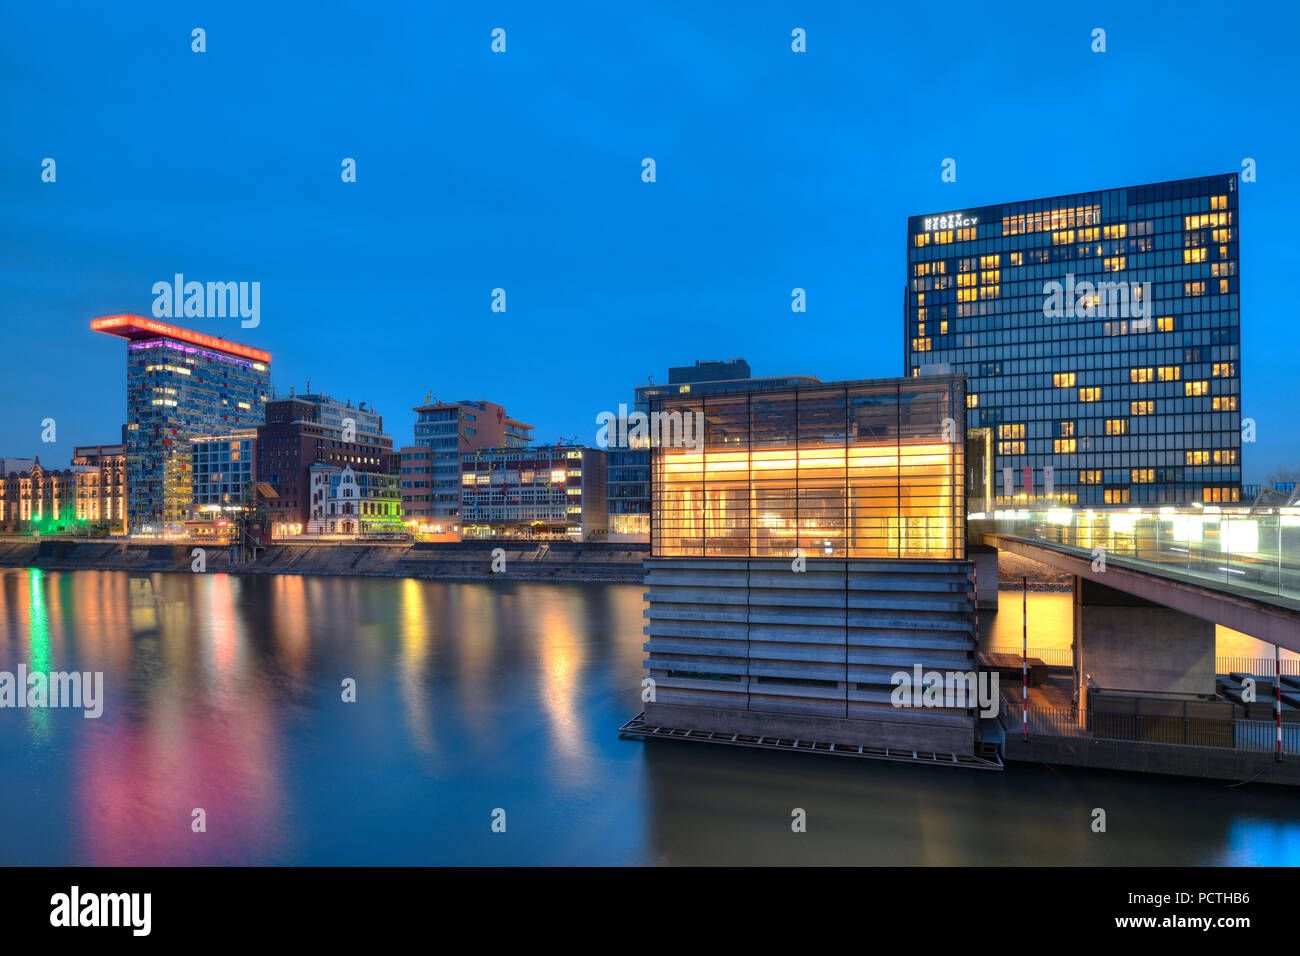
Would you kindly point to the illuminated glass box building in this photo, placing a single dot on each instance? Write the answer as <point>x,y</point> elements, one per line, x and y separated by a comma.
<point>1100,336</point>
<point>809,546</point>
<point>629,468</point>
<point>180,385</point>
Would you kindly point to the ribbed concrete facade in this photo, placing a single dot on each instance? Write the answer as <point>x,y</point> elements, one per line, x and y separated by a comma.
<point>754,647</point>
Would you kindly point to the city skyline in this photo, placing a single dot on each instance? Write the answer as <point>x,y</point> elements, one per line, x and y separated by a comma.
<point>633,277</point>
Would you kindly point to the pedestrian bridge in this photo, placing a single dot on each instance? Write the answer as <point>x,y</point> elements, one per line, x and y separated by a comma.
<point>1232,567</point>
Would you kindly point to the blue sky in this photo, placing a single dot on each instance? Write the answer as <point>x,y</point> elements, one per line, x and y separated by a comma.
<point>523,171</point>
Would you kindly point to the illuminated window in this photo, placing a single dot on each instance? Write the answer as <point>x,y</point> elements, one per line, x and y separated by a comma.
<point>921,345</point>
<point>1063,379</point>
<point>1165,324</point>
<point>1142,476</point>
<point>1117,426</point>
<point>1117,496</point>
<point>1224,403</point>
<point>921,239</point>
<point>1090,477</point>
<point>1207,220</point>
<point>1140,374</point>
<point>1065,446</point>
<point>1089,394</point>
<point>1117,232</point>
<point>1170,373</point>
<point>1194,255</point>
<point>973,400</point>
<point>1114,264</point>
<point>1066,429</point>
<point>1011,448</point>
<point>1220,495</point>
<point>1218,202</point>
<point>1193,288</point>
<point>1196,388</point>
<point>1198,457</point>
<point>1225,456</point>
<point>1017,258</point>
<point>1224,370</point>
<point>1141,408</point>
<point>1011,431</point>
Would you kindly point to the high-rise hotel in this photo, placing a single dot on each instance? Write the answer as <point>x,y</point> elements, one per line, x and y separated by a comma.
<point>180,385</point>
<point>1100,336</point>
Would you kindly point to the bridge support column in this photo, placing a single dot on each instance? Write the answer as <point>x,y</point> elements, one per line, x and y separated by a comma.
<point>1126,644</point>
<point>986,569</point>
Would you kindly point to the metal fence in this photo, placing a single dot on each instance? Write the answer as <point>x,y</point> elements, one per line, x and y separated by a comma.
<point>1255,736</point>
<point>1064,657</point>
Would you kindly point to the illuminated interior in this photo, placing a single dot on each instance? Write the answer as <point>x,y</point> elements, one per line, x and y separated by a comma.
<point>894,490</point>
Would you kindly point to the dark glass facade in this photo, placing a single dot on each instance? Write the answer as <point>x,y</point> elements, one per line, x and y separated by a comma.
<point>1100,337</point>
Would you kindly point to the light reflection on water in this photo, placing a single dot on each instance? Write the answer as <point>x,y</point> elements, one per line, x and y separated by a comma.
<point>224,693</point>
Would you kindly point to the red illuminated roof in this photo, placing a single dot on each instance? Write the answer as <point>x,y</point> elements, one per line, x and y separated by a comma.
<point>137,327</point>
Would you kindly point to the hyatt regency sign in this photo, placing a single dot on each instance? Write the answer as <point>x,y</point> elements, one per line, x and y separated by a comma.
<point>954,220</point>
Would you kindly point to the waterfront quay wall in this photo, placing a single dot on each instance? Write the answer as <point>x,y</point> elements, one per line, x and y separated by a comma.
<point>455,560</point>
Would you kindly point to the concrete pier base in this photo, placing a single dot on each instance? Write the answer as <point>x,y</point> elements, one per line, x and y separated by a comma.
<point>753,647</point>
<point>986,570</point>
<point>1124,644</point>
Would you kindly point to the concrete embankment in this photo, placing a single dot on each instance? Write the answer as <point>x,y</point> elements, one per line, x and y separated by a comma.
<point>456,561</point>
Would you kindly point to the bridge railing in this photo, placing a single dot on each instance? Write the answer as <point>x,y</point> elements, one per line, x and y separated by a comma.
<point>1250,551</point>
<point>1064,657</point>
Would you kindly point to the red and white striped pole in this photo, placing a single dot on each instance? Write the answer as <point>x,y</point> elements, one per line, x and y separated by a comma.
<point>1277,696</point>
<point>1024,659</point>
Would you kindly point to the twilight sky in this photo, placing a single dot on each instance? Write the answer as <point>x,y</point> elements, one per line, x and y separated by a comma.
<point>522,171</point>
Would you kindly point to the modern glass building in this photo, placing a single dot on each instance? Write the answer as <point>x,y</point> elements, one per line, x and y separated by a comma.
<point>629,468</point>
<point>1100,334</point>
<point>542,491</point>
<point>448,430</point>
<point>180,385</point>
<point>807,550</point>
<point>848,469</point>
<point>221,465</point>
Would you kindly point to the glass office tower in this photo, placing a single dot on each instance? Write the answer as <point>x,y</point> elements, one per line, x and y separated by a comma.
<point>1100,335</point>
<point>180,385</point>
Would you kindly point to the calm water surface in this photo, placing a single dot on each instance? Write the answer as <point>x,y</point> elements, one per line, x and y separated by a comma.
<point>224,693</point>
